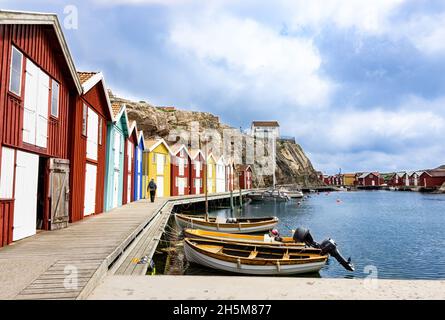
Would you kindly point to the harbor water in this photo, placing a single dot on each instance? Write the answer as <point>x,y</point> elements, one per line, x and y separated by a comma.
<point>391,235</point>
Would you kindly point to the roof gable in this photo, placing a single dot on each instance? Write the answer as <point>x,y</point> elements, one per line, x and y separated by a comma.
<point>90,80</point>
<point>37,18</point>
<point>152,144</point>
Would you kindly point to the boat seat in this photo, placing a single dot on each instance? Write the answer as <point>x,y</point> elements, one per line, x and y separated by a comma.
<point>213,249</point>
<point>252,254</point>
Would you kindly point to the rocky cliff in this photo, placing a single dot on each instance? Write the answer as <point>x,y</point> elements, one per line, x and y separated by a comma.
<point>293,166</point>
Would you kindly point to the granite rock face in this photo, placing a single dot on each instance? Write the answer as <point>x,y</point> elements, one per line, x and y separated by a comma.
<point>292,167</point>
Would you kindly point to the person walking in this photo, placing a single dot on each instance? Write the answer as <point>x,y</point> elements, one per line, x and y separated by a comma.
<point>152,189</point>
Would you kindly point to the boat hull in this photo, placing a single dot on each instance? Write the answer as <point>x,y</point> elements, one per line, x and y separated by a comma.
<point>225,227</point>
<point>239,238</point>
<point>267,270</point>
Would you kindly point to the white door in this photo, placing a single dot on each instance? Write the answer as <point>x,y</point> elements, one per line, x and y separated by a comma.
<point>160,186</point>
<point>373,182</point>
<point>198,169</point>
<point>181,166</point>
<point>90,189</point>
<point>26,180</point>
<point>115,189</point>
<point>197,185</point>
<point>30,103</point>
<point>181,186</point>
<point>129,188</point>
<point>42,110</point>
<point>160,158</point>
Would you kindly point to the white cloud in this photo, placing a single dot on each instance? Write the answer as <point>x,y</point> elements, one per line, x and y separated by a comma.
<point>254,58</point>
<point>359,129</point>
<point>368,16</point>
<point>426,32</point>
<point>142,2</point>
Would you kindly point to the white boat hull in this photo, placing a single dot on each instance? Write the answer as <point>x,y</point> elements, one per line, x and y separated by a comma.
<point>210,262</point>
<point>236,228</point>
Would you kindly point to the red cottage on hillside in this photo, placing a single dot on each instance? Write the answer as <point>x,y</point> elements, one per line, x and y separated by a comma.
<point>432,178</point>
<point>38,87</point>
<point>414,178</point>
<point>397,179</point>
<point>180,173</point>
<point>230,175</point>
<point>245,176</point>
<point>327,179</point>
<point>129,163</point>
<point>369,179</point>
<point>196,174</point>
<point>88,147</point>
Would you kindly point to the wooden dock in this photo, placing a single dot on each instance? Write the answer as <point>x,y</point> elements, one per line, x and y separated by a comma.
<point>69,263</point>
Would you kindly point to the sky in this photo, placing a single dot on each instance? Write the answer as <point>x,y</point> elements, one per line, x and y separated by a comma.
<point>359,84</point>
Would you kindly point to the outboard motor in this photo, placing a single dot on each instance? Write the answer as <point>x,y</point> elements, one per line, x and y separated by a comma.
<point>303,235</point>
<point>329,246</point>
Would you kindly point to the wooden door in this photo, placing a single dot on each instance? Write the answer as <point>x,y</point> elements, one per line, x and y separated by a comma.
<point>59,193</point>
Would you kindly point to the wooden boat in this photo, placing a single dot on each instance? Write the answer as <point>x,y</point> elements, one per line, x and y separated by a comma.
<point>230,225</point>
<point>269,195</point>
<point>251,258</point>
<point>242,238</point>
<point>293,194</point>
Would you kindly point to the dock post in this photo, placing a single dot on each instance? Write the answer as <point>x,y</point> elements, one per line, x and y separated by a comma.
<point>240,198</point>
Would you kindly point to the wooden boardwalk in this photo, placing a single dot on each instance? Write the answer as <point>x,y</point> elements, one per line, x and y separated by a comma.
<point>69,263</point>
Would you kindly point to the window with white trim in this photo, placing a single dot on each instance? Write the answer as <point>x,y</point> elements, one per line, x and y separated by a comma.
<point>100,131</point>
<point>55,98</point>
<point>15,80</point>
<point>84,119</point>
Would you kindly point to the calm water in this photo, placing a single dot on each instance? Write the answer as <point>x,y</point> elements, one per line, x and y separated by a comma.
<point>401,235</point>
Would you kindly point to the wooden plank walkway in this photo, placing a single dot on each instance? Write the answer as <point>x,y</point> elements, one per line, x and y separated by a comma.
<point>75,259</point>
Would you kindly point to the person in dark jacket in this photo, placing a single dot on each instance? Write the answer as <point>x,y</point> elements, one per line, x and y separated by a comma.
<point>152,189</point>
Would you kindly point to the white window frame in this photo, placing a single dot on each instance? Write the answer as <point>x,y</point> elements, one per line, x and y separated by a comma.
<point>20,71</point>
<point>84,119</point>
<point>54,82</point>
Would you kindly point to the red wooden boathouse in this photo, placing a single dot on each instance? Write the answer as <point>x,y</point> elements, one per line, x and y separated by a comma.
<point>245,176</point>
<point>38,87</point>
<point>196,174</point>
<point>88,153</point>
<point>180,172</point>
<point>129,164</point>
<point>431,179</point>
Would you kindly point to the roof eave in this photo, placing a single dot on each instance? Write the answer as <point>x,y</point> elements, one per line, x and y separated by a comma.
<point>26,17</point>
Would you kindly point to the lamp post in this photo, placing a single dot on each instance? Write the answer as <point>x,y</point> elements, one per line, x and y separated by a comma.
<point>240,192</point>
<point>205,184</point>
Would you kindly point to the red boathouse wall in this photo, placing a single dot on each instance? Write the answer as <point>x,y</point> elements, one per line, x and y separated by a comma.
<point>96,100</point>
<point>39,44</point>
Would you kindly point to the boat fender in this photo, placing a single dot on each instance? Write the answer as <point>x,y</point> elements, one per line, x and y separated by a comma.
<point>238,261</point>
<point>278,266</point>
<point>329,246</point>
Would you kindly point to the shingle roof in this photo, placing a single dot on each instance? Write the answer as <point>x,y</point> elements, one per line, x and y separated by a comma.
<point>116,107</point>
<point>436,173</point>
<point>265,123</point>
<point>85,76</point>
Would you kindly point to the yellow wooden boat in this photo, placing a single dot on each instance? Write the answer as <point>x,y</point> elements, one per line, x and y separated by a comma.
<point>242,238</point>
<point>229,225</point>
<point>252,259</point>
